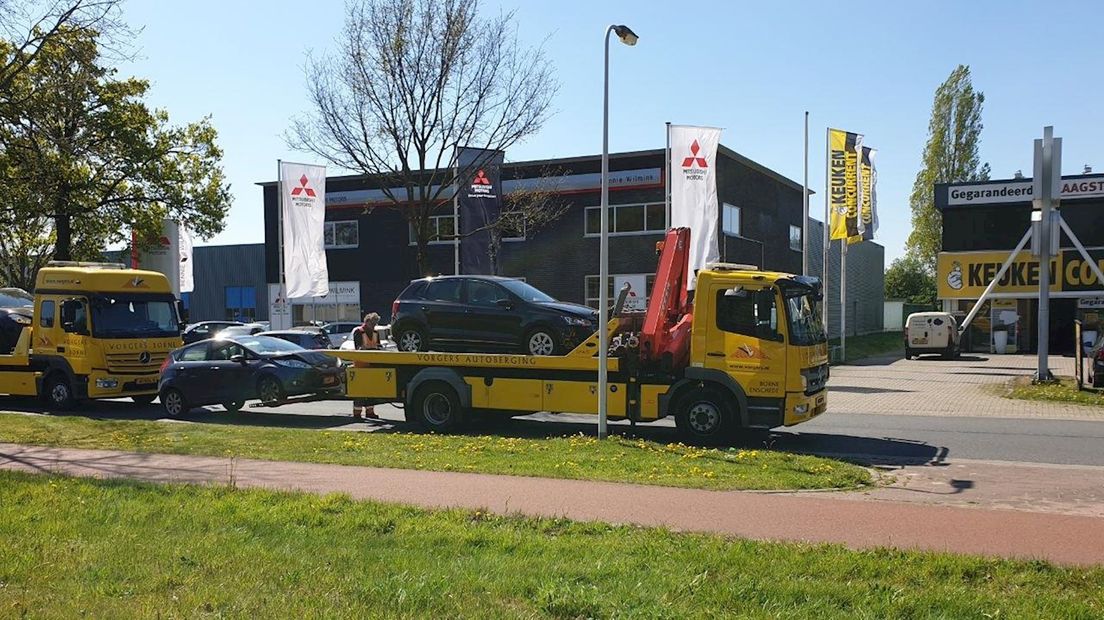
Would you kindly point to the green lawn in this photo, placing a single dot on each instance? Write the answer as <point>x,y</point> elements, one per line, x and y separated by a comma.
<point>1064,391</point>
<point>872,345</point>
<point>99,549</point>
<point>617,459</point>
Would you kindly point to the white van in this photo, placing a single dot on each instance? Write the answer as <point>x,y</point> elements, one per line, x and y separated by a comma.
<point>931,332</point>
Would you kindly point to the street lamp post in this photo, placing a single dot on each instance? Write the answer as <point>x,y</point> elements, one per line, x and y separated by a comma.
<point>628,37</point>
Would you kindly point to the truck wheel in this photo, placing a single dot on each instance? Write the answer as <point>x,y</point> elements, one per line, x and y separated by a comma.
<point>909,354</point>
<point>59,394</point>
<point>173,402</point>
<point>706,416</point>
<point>410,340</point>
<point>436,408</point>
<point>540,341</point>
<point>145,400</point>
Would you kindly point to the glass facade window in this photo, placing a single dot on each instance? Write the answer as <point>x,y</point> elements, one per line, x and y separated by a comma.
<point>341,235</point>
<point>241,303</point>
<point>730,219</point>
<point>440,228</point>
<point>795,238</point>
<point>628,219</point>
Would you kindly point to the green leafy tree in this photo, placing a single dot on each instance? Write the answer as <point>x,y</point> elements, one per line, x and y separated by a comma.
<point>82,150</point>
<point>909,278</point>
<point>950,156</point>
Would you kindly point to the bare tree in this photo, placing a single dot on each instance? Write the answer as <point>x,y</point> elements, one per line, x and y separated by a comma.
<point>28,26</point>
<point>411,81</point>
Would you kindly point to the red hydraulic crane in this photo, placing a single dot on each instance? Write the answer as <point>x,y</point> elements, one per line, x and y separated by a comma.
<point>665,335</point>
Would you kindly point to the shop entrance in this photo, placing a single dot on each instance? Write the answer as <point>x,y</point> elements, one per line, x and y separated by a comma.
<point>1062,313</point>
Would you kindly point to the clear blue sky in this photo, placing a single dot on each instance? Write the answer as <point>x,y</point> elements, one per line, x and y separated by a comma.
<point>749,67</point>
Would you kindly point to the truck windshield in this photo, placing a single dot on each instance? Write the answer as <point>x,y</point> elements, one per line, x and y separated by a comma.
<point>803,313</point>
<point>134,316</point>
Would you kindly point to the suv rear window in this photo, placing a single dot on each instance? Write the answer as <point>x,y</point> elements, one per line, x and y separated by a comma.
<point>414,291</point>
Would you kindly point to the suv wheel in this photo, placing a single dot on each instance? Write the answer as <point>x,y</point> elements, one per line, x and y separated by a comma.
<point>410,340</point>
<point>540,342</point>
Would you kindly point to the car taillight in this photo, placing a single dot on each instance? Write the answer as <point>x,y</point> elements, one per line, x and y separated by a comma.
<point>394,309</point>
<point>165,364</point>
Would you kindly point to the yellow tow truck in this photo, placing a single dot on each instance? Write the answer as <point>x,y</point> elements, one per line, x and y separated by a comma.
<point>98,330</point>
<point>748,352</point>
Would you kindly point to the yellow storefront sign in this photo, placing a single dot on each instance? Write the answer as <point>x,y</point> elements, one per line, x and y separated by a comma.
<point>964,275</point>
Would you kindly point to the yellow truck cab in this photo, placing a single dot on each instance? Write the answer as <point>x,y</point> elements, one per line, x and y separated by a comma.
<point>99,331</point>
<point>748,352</point>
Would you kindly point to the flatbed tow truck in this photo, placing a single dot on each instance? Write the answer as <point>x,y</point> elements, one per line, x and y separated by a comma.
<point>99,330</point>
<point>748,352</point>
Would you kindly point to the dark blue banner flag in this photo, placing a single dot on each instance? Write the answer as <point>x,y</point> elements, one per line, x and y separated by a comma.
<point>479,178</point>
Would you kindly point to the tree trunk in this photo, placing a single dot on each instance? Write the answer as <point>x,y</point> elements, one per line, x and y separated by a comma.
<point>63,247</point>
<point>422,256</point>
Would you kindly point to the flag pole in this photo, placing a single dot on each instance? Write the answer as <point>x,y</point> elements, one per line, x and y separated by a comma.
<point>281,291</point>
<point>827,230</point>
<point>805,205</point>
<point>843,299</point>
<point>456,217</point>
<point>667,178</point>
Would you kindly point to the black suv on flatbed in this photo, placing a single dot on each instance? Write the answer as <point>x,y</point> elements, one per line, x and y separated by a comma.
<point>485,314</point>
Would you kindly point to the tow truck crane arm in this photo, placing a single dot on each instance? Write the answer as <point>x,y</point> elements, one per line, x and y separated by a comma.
<point>665,335</point>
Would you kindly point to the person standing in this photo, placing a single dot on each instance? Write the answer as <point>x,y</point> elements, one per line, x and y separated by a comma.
<point>365,338</point>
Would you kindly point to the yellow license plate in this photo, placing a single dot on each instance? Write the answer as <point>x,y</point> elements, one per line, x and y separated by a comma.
<point>146,380</point>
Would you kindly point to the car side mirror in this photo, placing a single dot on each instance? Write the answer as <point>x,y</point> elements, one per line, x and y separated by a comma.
<point>505,303</point>
<point>238,359</point>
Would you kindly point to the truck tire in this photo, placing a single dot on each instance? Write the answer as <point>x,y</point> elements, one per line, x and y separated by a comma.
<point>909,354</point>
<point>706,416</point>
<point>436,408</point>
<point>59,393</point>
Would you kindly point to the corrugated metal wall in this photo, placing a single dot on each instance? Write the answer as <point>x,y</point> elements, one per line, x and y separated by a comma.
<point>219,266</point>
<point>865,283</point>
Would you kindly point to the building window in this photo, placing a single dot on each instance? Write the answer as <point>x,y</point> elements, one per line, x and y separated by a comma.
<point>440,229</point>
<point>241,303</point>
<point>341,235</point>
<point>514,228</point>
<point>795,238</point>
<point>628,219</point>
<point>635,280</point>
<point>730,219</point>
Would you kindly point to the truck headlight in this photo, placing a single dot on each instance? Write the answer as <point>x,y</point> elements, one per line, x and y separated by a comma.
<point>107,384</point>
<point>801,409</point>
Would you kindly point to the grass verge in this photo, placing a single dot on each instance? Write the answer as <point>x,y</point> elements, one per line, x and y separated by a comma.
<point>108,549</point>
<point>617,459</point>
<point>1064,391</point>
<point>872,345</point>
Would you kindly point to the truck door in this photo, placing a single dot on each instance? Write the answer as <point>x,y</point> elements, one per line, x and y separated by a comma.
<point>75,331</point>
<point>745,340</point>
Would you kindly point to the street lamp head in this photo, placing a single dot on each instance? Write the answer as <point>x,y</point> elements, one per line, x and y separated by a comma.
<point>627,36</point>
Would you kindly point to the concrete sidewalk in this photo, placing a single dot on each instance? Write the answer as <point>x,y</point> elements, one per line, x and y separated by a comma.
<point>809,517</point>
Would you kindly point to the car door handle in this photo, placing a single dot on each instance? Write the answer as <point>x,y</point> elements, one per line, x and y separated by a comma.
<point>715,354</point>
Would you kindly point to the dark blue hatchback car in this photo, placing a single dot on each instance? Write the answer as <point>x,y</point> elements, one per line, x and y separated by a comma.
<point>229,371</point>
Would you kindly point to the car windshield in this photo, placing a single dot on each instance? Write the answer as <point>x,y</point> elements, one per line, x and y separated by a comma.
<point>525,291</point>
<point>803,312</point>
<point>15,298</point>
<point>133,316</point>
<point>268,345</point>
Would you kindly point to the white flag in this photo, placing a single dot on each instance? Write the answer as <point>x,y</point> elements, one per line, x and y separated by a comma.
<point>303,209</point>
<point>187,282</point>
<point>694,191</point>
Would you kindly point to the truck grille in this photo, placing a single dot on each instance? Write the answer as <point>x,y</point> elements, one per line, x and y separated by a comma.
<point>135,363</point>
<point>815,378</point>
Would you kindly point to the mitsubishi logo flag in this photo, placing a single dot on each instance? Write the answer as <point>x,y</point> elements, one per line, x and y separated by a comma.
<point>479,201</point>
<point>693,186</point>
<point>170,253</point>
<point>303,215</point>
<point>844,151</point>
